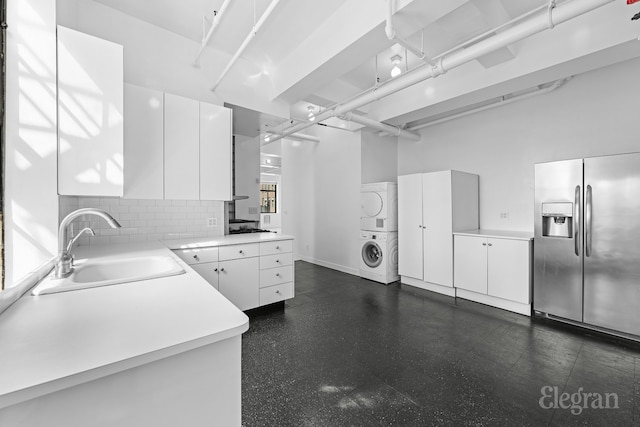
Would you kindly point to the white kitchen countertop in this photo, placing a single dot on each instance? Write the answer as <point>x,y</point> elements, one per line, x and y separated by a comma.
<point>51,342</point>
<point>497,234</point>
<point>231,239</point>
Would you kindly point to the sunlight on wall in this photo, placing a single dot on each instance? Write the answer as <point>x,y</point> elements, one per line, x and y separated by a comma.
<point>90,114</point>
<point>31,199</point>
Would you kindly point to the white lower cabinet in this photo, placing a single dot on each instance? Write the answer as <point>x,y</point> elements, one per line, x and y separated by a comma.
<point>494,270</point>
<point>239,281</point>
<point>210,271</point>
<point>249,274</point>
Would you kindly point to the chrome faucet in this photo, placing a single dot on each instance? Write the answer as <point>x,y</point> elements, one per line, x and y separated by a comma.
<point>64,263</point>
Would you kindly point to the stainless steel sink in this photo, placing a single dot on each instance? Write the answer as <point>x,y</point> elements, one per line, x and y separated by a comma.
<point>105,272</point>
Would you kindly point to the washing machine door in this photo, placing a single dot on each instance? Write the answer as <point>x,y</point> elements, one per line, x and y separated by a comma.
<point>371,204</point>
<point>371,254</point>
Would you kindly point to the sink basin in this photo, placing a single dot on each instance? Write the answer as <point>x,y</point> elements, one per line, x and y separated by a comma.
<point>95,273</point>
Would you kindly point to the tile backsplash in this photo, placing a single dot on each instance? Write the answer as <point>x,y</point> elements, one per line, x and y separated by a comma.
<point>145,220</point>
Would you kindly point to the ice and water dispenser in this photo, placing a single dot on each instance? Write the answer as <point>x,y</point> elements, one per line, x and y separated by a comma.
<point>557,219</point>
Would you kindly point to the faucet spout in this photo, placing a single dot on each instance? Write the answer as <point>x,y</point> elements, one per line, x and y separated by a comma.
<point>64,263</point>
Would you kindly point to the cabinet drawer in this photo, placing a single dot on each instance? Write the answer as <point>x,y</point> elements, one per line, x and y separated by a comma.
<point>275,276</point>
<point>276,293</point>
<point>277,260</point>
<point>239,251</point>
<point>280,246</point>
<point>197,255</point>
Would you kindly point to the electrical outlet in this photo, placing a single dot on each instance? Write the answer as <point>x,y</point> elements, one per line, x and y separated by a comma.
<point>504,216</point>
<point>212,222</point>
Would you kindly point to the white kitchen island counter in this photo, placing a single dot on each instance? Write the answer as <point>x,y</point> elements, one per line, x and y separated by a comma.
<point>164,351</point>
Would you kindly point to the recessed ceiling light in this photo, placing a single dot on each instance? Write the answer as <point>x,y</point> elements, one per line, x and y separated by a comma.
<point>395,60</point>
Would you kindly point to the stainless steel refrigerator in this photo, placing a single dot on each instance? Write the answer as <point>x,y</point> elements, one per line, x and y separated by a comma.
<point>587,241</point>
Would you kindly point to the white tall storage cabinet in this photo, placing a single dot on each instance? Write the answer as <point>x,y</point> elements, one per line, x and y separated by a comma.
<point>431,206</point>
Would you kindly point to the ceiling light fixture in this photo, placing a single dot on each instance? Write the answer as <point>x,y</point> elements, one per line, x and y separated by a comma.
<point>395,60</point>
<point>267,137</point>
<point>311,116</point>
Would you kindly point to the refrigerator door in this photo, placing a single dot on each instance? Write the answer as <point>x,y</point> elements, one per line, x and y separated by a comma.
<point>557,285</point>
<point>612,242</point>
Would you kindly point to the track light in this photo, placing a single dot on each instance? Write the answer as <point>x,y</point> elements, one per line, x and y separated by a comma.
<point>395,60</point>
<point>267,137</point>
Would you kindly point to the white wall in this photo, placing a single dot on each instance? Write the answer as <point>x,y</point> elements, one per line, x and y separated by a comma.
<point>31,199</point>
<point>379,158</point>
<point>595,113</point>
<point>321,198</point>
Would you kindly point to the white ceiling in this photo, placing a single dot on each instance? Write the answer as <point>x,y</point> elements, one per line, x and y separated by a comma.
<point>294,22</point>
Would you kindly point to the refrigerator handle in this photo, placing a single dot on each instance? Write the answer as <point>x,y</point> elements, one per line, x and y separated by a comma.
<point>587,220</point>
<point>576,223</point>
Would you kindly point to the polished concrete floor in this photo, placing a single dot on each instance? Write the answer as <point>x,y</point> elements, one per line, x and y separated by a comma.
<point>351,352</point>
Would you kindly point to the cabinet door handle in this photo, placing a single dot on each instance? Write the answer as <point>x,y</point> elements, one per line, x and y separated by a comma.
<point>484,244</point>
<point>490,244</point>
<point>222,269</point>
<point>215,269</point>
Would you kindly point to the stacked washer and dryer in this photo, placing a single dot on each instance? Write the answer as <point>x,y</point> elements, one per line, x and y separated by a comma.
<point>379,232</point>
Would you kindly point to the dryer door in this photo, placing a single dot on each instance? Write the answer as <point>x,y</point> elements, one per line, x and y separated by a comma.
<point>371,204</point>
<point>371,254</point>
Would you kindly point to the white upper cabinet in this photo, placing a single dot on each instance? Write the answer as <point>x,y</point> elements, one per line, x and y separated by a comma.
<point>90,110</point>
<point>143,143</point>
<point>181,148</point>
<point>215,152</point>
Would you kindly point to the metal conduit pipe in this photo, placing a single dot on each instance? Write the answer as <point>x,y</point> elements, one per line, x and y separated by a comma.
<point>214,25</point>
<point>535,25</point>
<point>392,35</point>
<point>393,130</point>
<point>246,42</point>
<point>504,101</point>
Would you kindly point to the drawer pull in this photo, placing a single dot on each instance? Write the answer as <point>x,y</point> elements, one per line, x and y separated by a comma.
<point>278,291</point>
<point>278,261</point>
<point>277,247</point>
<point>196,257</point>
<point>241,251</point>
<point>278,274</point>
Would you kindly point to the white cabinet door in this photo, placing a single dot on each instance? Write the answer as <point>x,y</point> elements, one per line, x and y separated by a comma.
<point>90,117</point>
<point>143,143</point>
<point>410,260</point>
<point>508,272</point>
<point>438,240</point>
<point>470,263</point>
<point>210,272</point>
<point>240,282</point>
<point>215,152</point>
<point>181,148</point>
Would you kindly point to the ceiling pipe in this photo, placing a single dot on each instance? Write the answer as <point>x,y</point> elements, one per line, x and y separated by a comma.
<point>214,25</point>
<point>392,130</point>
<point>499,103</point>
<point>392,35</point>
<point>537,24</point>
<point>246,42</point>
<point>299,136</point>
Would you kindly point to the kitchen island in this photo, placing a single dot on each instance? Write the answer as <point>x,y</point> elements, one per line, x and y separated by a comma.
<point>161,352</point>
